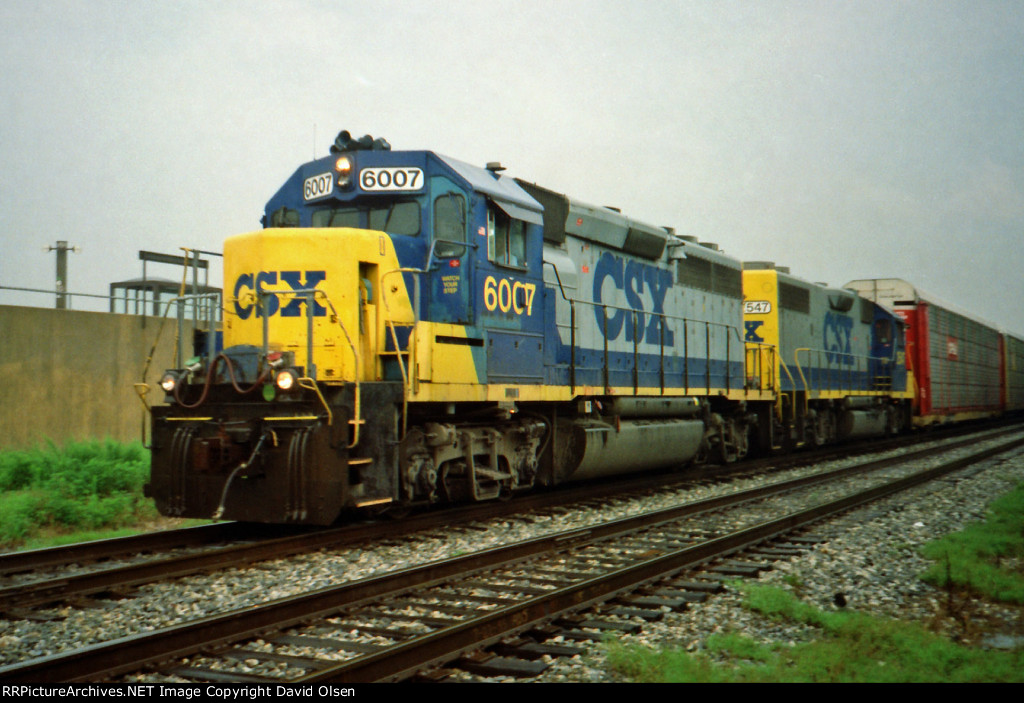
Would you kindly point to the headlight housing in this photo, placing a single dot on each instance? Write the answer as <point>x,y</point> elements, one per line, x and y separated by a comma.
<point>172,378</point>
<point>169,381</point>
<point>345,168</point>
<point>287,379</point>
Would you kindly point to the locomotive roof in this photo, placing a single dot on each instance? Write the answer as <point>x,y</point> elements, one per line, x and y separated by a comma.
<point>791,278</point>
<point>496,186</point>
<point>681,248</point>
<point>892,291</point>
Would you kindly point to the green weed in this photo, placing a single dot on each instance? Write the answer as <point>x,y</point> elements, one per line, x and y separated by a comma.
<point>851,647</point>
<point>794,581</point>
<point>81,486</point>
<point>972,558</point>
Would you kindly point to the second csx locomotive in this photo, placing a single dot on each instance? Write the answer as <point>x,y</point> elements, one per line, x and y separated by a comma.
<point>408,329</point>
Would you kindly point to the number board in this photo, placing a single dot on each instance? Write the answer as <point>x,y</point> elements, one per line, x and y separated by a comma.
<point>391,179</point>
<point>318,186</point>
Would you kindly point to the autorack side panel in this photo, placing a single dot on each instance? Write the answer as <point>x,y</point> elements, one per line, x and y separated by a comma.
<point>965,364</point>
<point>915,315</point>
<point>1013,360</point>
<point>956,357</point>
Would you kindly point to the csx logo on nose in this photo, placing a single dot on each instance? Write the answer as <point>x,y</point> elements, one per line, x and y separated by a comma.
<point>248,285</point>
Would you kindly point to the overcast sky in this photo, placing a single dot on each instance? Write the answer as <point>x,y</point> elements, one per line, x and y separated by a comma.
<point>846,140</point>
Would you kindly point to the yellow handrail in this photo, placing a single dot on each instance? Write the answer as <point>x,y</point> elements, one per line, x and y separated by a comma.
<point>310,384</point>
<point>408,375</point>
<point>778,404</point>
<point>356,409</point>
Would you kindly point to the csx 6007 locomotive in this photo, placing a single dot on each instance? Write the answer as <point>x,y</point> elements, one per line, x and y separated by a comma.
<point>409,329</point>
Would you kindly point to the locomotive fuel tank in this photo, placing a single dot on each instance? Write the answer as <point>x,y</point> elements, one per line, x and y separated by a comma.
<point>629,435</point>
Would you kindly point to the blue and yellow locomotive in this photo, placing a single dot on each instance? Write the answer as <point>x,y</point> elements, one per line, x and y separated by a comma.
<point>410,329</point>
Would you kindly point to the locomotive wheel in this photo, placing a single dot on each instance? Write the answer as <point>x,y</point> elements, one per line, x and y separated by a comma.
<point>700,459</point>
<point>892,422</point>
<point>399,511</point>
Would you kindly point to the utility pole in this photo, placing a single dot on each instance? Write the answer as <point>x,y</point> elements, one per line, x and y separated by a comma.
<point>62,250</point>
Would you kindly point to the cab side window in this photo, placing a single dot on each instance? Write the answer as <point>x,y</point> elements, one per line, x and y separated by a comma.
<point>506,238</point>
<point>449,224</point>
<point>883,332</point>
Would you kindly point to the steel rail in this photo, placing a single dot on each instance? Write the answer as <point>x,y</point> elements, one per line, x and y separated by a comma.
<point>133,653</point>
<point>117,579</point>
<point>98,550</point>
<point>118,547</point>
<point>442,646</point>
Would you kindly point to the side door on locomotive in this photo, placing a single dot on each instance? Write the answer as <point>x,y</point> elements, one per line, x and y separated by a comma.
<point>504,255</point>
<point>508,272</point>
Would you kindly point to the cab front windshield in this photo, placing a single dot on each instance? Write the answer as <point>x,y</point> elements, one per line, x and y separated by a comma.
<point>393,217</point>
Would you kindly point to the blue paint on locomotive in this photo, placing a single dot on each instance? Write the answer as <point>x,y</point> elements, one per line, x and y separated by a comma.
<point>247,287</point>
<point>855,356</point>
<point>498,301</point>
<point>837,333</point>
<point>651,358</point>
<point>637,339</point>
<point>889,347</point>
<point>633,277</point>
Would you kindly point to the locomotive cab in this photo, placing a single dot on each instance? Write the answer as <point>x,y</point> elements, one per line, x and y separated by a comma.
<point>380,279</point>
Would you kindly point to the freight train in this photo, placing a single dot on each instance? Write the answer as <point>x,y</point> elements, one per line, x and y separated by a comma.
<point>409,329</point>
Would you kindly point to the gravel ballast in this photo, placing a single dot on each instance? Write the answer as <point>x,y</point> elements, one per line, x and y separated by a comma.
<point>873,561</point>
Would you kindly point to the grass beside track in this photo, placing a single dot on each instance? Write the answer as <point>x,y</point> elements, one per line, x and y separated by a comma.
<point>851,647</point>
<point>79,491</point>
<point>984,559</point>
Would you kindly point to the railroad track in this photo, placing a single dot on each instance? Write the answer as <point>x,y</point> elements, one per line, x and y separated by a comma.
<point>394,626</point>
<point>112,549</point>
<point>257,543</point>
<point>119,547</point>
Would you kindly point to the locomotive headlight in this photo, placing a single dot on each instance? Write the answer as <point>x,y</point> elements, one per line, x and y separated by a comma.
<point>286,380</point>
<point>168,381</point>
<point>344,168</point>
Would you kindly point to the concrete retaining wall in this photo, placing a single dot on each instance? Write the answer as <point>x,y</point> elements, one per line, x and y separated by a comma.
<point>67,374</point>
